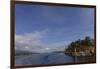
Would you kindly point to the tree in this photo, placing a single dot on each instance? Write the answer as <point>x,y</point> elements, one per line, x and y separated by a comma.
<point>88,41</point>
<point>80,45</point>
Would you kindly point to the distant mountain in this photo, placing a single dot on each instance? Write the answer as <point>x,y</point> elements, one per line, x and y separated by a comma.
<point>23,52</point>
<point>58,51</point>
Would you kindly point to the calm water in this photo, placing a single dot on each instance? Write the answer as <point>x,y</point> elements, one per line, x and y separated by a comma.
<point>50,58</point>
<point>44,58</point>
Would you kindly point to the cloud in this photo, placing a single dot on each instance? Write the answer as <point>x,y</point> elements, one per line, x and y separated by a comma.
<point>33,42</point>
<point>29,41</point>
<point>59,46</point>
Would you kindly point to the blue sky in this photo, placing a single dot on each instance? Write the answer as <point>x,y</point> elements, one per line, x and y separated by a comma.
<point>51,26</point>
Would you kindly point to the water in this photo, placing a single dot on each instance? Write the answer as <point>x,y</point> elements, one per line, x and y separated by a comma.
<point>51,58</point>
<point>43,58</point>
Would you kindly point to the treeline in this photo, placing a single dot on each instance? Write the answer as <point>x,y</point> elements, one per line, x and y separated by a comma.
<point>18,54</point>
<point>81,47</point>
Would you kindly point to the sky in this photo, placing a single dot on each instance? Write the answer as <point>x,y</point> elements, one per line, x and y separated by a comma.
<point>43,28</point>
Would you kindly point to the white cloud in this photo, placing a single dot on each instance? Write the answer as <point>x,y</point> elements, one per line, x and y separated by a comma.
<point>59,46</point>
<point>29,41</point>
<point>33,42</point>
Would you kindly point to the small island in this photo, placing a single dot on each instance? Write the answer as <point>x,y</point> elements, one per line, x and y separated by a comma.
<point>81,47</point>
